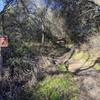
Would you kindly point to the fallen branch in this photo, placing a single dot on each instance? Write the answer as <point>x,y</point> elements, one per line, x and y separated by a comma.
<point>66,57</point>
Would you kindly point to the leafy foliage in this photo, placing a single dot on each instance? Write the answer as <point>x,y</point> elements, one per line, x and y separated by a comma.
<point>54,88</point>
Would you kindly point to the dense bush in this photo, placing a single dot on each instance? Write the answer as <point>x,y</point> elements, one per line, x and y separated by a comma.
<point>61,87</point>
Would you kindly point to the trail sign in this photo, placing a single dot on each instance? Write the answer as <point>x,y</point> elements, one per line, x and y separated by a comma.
<point>3,41</point>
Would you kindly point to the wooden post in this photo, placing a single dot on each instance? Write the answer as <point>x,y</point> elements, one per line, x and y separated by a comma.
<point>1,65</point>
<point>4,44</point>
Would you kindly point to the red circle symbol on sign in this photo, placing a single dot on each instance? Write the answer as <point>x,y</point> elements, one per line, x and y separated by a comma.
<point>3,41</point>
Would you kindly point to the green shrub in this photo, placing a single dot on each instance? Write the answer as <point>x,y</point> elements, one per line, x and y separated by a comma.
<point>61,87</point>
<point>57,87</point>
<point>62,67</point>
<point>97,67</point>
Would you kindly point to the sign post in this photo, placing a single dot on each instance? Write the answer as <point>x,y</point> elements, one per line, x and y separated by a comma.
<point>3,44</point>
<point>0,64</point>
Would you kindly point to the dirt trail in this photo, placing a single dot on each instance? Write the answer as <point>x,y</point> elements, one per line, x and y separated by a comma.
<point>89,84</point>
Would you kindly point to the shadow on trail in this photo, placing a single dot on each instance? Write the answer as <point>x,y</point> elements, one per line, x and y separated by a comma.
<point>81,70</point>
